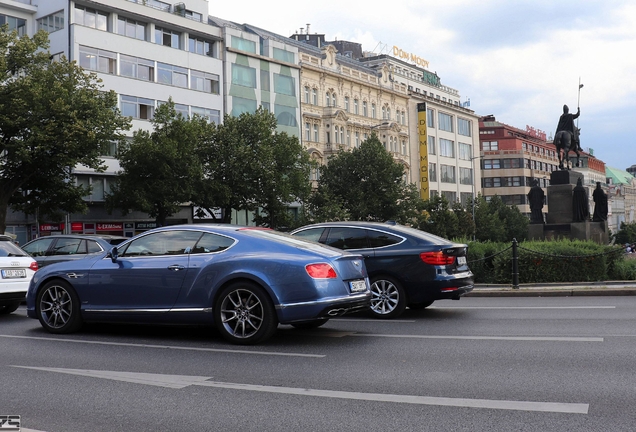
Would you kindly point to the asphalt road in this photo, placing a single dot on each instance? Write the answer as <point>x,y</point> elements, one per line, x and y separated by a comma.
<point>480,364</point>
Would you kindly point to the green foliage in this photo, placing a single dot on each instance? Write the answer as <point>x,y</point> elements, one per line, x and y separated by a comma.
<point>623,269</point>
<point>365,184</point>
<point>481,260</point>
<point>160,169</point>
<point>53,116</point>
<point>498,222</point>
<point>248,165</point>
<point>438,218</point>
<point>626,233</point>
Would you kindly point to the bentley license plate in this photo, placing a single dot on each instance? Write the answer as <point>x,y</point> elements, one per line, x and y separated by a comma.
<point>12,274</point>
<point>358,286</point>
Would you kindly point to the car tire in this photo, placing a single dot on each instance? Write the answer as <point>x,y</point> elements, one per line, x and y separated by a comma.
<point>244,314</point>
<point>388,299</point>
<point>309,324</point>
<point>419,306</point>
<point>9,308</point>
<point>58,308</point>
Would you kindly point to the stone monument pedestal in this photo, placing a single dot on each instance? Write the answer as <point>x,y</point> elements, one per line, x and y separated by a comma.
<point>559,220</point>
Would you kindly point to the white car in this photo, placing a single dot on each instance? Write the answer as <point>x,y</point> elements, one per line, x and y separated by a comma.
<point>16,270</point>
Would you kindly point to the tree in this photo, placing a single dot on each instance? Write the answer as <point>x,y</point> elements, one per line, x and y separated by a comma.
<point>248,165</point>
<point>368,185</point>
<point>496,221</point>
<point>160,169</point>
<point>626,233</point>
<point>53,116</point>
<point>438,218</point>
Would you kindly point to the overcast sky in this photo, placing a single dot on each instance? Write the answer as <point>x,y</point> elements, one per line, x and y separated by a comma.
<point>518,60</point>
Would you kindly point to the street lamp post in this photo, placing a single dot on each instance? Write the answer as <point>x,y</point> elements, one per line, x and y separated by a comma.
<point>472,161</point>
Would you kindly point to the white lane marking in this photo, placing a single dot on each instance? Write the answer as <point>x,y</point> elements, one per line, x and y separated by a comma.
<point>503,338</point>
<point>52,339</point>
<point>371,320</point>
<point>181,381</point>
<point>522,307</point>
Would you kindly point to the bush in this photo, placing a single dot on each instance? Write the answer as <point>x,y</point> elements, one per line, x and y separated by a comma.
<point>623,269</point>
<point>548,261</point>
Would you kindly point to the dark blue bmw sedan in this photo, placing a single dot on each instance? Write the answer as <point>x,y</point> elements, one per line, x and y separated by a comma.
<point>407,267</point>
<point>243,280</point>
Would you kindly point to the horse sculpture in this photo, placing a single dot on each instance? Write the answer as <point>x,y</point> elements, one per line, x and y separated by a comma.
<point>563,142</point>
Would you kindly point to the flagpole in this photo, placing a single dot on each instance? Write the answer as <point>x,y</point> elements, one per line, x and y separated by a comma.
<point>578,101</point>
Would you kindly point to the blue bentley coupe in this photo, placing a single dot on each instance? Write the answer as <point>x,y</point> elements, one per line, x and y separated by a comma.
<point>243,280</point>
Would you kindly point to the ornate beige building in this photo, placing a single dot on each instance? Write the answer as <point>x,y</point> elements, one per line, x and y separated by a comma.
<point>343,102</point>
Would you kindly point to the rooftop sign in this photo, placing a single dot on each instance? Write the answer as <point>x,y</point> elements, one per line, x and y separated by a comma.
<point>401,54</point>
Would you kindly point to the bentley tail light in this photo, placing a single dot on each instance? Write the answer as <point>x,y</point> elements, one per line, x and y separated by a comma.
<point>320,271</point>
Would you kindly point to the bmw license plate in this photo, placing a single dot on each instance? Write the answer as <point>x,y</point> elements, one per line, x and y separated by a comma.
<point>358,286</point>
<point>12,274</point>
<point>461,260</point>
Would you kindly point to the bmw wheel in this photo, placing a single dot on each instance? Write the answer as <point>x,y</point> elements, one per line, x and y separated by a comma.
<point>57,307</point>
<point>387,298</point>
<point>245,314</point>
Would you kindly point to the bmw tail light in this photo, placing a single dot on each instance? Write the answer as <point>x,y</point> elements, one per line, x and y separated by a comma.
<point>34,266</point>
<point>437,258</point>
<point>320,271</point>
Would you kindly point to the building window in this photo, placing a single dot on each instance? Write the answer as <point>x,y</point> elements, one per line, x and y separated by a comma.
<point>316,133</point>
<point>348,138</point>
<point>285,116</point>
<point>432,172</point>
<point>137,108</point>
<point>243,76</point>
<point>328,99</point>
<point>357,142</point>
<point>97,60</point>
<point>314,96</point>
<point>451,197</point>
<point>265,82</point>
<point>404,152</point>
<point>307,131</point>
<point>205,82</point>
<point>355,107</point>
<point>489,145</point>
<point>342,135</point>
<point>166,37</point>
<point>465,176</point>
<point>134,67</point>
<point>447,174</point>
<point>430,118</point>
<point>446,148</point>
<point>372,110</point>
<point>242,105</point>
<point>445,122</point>
<point>512,163</point>
<point>49,24</point>
<point>346,103</point>
<point>172,75</point>
<point>365,109</point>
<point>465,151</point>
<point>306,93</point>
<point>211,115</point>
<point>283,55</point>
<point>431,145</point>
<point>492,164</point>
<point>243,44</point>
<point>91,18</point>
<point>200,46</point>
<point>131,28</point>
<point>388,113</point>
<point>284,84</point>
<point>463,127</point>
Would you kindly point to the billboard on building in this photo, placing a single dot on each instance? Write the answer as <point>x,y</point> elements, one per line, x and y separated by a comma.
<point>423,139</point>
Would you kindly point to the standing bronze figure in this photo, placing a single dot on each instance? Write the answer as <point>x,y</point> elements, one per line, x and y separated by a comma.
<point>580,207</point>
<point>600,204</point>
<point>536,199</point>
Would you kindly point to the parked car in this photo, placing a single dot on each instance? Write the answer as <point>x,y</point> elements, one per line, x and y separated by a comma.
<point>58,248</point>
<point>407,267</point>
<point>243,280</point>
<point>16,270</point>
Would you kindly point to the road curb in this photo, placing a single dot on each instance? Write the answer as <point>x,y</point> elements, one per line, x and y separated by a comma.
<point>552,292</point>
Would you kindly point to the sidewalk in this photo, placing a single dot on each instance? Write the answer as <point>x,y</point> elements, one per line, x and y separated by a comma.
<point>606,288</point>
